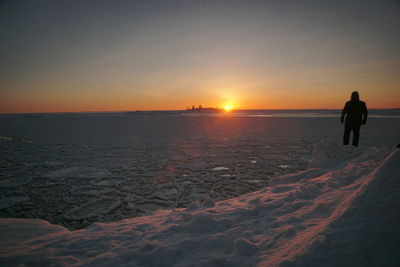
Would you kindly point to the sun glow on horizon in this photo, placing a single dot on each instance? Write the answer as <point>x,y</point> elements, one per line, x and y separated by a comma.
<point>228,107</point>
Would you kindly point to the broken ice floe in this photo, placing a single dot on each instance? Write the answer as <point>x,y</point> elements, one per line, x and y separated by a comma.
<point>15,181</point>
<point>93,208</point>
<point>217,169</point>
<point>195,195</point>
<point>12,200</point>
<point>196,166</point>
<point>284,166</point>
<point>89,190</point>
<point>51,163</point>
<point>7,138</point>
<point>109,181</point>
<point>79,172</point>
<point>55,180</point>
<point>167,195</point>
<point>152,204</point>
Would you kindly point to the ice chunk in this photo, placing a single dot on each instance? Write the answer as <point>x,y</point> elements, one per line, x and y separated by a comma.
<point>167,195</point>
<point>55,180</point>
<point>329,154</point>
<point>129,188</point>
<point>93,208</point>
<point>90,191</point>
<point>52,163</point>
<point>196,166</point>
<point>133,198</point>
<point>79,172</point>
<point>15,181</point>
<point>217,169</point>
<point>195,195</point>
<point>12,200</point>
<point>109,181</point>
<point>5,138</point>
<point>153,204</point>
<point>208,203</point>
<point>193,206</point>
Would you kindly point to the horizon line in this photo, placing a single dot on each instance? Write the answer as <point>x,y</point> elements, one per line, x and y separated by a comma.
<point>171,110</point>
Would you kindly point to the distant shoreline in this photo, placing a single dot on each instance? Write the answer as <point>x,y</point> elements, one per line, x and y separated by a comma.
<point>180,110</point>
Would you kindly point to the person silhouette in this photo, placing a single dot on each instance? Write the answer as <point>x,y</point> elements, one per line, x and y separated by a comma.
<point>356,113</point>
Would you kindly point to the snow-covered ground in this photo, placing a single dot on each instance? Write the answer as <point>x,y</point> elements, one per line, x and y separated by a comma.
<point>241,189</point>
<point>341,211</point>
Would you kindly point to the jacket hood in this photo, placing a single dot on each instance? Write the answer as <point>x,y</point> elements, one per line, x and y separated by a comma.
<point>355,96</point>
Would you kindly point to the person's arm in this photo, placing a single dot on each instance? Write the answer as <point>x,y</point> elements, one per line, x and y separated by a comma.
<point>344,111</point>
<point>365,114</point>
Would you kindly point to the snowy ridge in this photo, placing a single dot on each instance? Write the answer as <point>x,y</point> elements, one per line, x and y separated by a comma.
<point>342,211</point>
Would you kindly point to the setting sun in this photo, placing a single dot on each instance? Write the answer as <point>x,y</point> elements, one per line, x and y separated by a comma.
<point>228,107</point>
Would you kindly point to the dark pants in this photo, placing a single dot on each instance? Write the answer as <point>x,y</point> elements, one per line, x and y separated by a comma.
<point>348,127</point>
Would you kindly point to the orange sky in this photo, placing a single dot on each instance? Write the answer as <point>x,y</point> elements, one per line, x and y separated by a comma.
<point>74,57</point>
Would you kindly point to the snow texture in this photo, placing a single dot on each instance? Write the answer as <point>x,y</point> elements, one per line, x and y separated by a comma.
<point>342,211</point>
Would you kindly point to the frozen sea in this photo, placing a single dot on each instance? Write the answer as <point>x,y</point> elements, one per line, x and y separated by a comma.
<point>76,169</point>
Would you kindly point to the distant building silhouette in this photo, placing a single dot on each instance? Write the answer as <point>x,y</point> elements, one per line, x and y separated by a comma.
<point>200,109</point>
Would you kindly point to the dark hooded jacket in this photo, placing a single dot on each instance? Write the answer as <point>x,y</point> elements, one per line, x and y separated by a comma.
<point>355,110</point>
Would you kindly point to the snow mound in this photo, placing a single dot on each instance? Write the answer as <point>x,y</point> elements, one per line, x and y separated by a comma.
<point>328,154</point>
<point>24,230</point>
<point>341,212</point>
<point>367,233</point>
